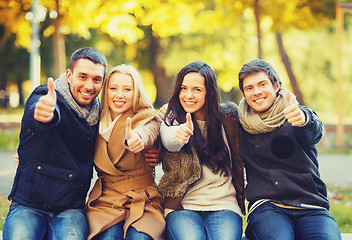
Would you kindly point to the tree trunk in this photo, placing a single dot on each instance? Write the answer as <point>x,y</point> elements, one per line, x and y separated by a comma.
<point>20,90</point>
<point>162,82</point>
<point>58,44</point>
<point>285,59</point>
<point>259,33</point>
<point>3,93</point>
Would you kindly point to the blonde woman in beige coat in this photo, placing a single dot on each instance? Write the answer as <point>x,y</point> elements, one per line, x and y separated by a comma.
<point>125,203</point>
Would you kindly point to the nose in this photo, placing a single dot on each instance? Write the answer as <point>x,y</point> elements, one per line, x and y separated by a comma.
<point>257,91</point>
<point>89,85</point>
<point>189,94</point>
<point>119,93</point>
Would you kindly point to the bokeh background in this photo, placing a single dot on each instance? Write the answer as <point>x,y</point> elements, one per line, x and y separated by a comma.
<point>309,42</point>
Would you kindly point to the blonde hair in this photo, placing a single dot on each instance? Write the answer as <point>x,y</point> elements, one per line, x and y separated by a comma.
<point>140,97</point>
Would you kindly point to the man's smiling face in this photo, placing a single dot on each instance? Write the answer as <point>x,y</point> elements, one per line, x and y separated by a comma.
<point>259,91</point>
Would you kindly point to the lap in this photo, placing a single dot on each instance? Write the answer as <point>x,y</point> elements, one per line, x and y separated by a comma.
<point>319,225</point>
<point>116,232</point>
<point>187,224</point>
<point>19,218</point>
<point>69,224</point>
<point>265,222</point>
<point>272,222</point>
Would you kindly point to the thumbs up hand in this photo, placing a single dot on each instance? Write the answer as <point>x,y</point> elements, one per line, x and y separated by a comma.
<point>133,140</point>
<point>44,109</point>
<point>293,113</point>
<point>185,131</point>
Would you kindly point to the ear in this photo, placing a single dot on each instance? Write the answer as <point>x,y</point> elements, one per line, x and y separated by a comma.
<point>277,87</point>
<point>68,75</point>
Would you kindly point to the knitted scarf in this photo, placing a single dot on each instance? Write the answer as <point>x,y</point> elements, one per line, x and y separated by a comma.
<point>268,121</point>
<point>90,112</point>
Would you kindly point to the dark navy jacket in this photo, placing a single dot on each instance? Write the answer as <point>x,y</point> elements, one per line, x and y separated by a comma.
<point>55,160</point>
<point>282,165</point>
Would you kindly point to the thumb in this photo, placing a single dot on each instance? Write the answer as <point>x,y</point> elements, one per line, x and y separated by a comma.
<point>51,89</point>
<point>288,99</point>
<point>189,122</point>
<point>128,133</point>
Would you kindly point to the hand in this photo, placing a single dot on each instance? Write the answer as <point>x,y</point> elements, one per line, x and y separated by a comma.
<point>162,111</point>
<point>185,131</point>
<point>152,157</point>
<point>44,109</point>
<point>133,140</point>
<point>293,113</point>
<point>16,158</point>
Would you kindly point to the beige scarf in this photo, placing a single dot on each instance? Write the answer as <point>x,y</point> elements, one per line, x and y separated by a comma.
<point>267,121</point>
<point>106,124</point>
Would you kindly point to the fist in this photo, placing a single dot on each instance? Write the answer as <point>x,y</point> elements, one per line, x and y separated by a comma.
<point>133,140</point>
<point>293,113</point>
<point>44,109</point>
<point>185,131</point>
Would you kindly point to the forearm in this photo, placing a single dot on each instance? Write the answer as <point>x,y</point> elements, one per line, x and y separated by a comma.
<point>168,138</point>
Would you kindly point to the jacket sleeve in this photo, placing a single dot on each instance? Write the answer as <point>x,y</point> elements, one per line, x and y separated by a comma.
<point>312,131</point>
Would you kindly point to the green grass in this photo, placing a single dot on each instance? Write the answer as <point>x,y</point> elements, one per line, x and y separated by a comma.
<point>341,207</point>
<point>4,208</point>
<point>8,141</point>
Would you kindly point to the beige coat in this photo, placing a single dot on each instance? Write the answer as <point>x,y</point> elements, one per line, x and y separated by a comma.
<point>125,189</point>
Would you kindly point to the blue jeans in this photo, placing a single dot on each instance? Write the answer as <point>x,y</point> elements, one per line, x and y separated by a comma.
<point>191,225</point>
<point>28,223</point>
<point>272,222</point>
<point>116,232</point>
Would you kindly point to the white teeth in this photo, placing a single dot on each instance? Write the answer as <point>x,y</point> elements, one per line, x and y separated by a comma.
<point>85,94</point>
<point>259,100</point>
<point>189,103</point>
<point>119,104</point>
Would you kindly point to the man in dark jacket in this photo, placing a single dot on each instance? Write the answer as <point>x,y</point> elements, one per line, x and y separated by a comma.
<point>287,198</point>
<point>57,139</point>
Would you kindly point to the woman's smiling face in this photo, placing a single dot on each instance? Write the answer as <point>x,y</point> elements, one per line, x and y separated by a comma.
<point>120,93</point>
<point>192,94</point>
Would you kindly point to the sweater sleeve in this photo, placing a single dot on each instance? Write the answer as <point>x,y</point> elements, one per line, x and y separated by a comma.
<point>168,137</point>
<point>148,132</point>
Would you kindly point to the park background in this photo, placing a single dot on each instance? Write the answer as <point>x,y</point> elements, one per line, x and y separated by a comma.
<point>307,41</point>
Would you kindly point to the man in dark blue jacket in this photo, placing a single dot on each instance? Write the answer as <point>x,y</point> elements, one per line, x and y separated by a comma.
<point>287,198</point>
<point>57,139</point>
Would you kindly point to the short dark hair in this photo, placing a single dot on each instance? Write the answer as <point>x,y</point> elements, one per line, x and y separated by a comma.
<point>91,54</point>
<point>256,66</point>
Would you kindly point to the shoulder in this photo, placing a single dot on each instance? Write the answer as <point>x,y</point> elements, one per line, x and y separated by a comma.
<point>230,109</point>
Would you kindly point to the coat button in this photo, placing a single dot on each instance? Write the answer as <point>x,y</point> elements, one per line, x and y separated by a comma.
<point>276,183</point>
<point>39,167</point>
<point>70,175</point>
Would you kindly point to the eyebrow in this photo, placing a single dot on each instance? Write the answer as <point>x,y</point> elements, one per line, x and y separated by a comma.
<point>197,86</point>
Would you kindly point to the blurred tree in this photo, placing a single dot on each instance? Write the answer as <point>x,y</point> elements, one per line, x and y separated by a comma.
<point>285,15</point>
